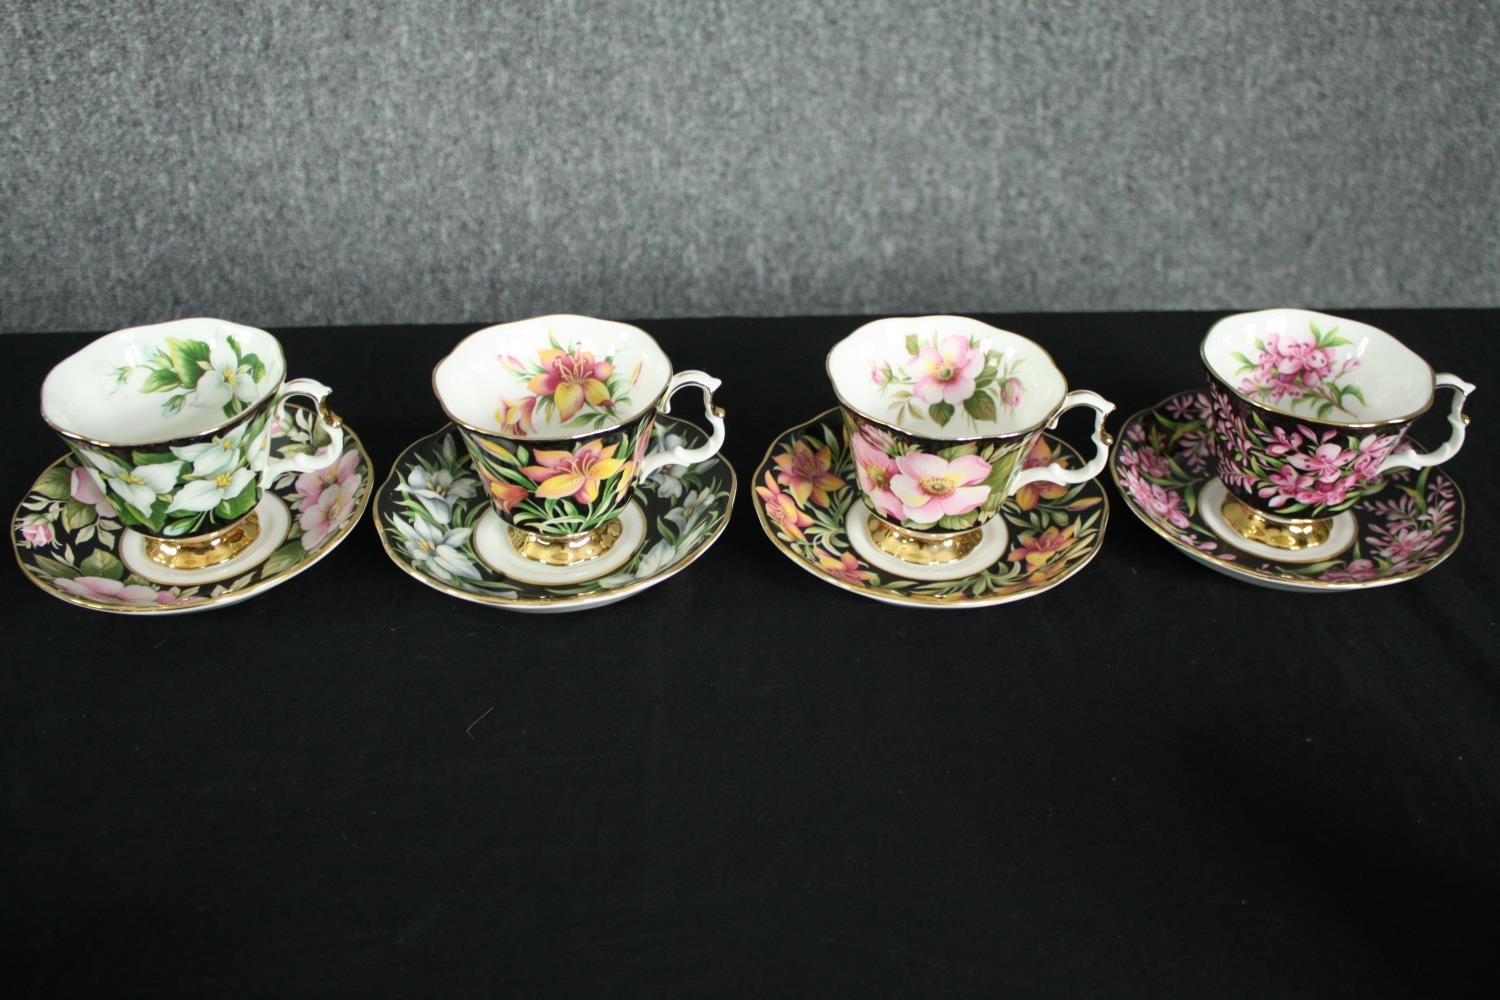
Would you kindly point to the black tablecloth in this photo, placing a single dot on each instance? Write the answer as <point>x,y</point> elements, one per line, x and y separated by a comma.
<point>1150,780</point>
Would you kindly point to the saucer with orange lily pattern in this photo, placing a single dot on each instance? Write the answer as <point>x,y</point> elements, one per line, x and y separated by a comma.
<point>808,504</point>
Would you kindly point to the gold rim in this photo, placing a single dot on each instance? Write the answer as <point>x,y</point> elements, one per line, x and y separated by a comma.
<point>1240,569</point>
<point>1007,435</point>
<point>457,422</point>
<point>233,597</point>
<point>1365,425</point>
<point>919,600</point>
<point>580,601</point>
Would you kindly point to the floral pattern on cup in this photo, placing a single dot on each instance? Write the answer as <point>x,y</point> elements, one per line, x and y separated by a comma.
<point>435,497</point>
<point>220,376</point>
<point>1293,371</point>
<point>1165,458</point>
<point>944,374</point>
<point>580,389</point>
<point>565,490</point>
<point>173,491</point>
<point>1053,533</point>
<point>915,483</point>
<point>1291,467</point>
<point>68,533</point>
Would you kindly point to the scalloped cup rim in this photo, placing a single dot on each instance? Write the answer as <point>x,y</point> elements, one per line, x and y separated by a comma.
<point>1397,353</point>
<point>490,427</point>
<point>53,396</point>
<point>992,429</point>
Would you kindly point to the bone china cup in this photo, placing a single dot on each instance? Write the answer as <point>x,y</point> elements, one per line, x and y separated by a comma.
<point>173,424</point>
<point>556,413</point>
<point>943,413</point>
<point>1309,411</point>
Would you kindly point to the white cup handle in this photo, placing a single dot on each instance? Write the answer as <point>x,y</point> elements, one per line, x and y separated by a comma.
<point>327,419</point>
<point>1449,448</point>
<point>681,455</point>
<point>1055,473</point>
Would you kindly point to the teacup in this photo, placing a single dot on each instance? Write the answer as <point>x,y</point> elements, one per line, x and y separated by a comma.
<point>942,414</point>
<point>173,422</point>
<point>1309,413</point>
<point>556,413</point>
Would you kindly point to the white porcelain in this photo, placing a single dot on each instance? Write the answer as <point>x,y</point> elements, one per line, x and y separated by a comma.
<point>1393,382</point>
<point>100,393</point>
<point>492,364</point>
<point>857,363</point>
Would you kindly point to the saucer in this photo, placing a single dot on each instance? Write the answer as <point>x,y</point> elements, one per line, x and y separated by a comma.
<point>451,539</point>
<point>1163,466</point>
<point>1044,533</point>
<point>69,542</point>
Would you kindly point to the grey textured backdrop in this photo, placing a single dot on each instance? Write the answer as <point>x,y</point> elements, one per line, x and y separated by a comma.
<point>451,162</point>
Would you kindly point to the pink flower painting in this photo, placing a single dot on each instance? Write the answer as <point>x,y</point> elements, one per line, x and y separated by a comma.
<point>874,470</point>
<point>945,371</point>
<point>930,488</point>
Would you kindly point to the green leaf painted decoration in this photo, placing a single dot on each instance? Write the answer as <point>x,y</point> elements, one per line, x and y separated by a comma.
<point>77,515</point>
<point>161,380</point>
<point>980,406</point>
<point>55,483</point>
<point>101,563</point>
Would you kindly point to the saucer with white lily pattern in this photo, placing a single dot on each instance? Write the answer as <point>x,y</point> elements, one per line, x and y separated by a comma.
<point>438,526</point>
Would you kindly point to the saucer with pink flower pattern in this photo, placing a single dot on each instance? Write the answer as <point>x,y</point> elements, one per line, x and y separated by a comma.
<point>1164,468</point>
<point>807,502</point>
<point>69,540</point>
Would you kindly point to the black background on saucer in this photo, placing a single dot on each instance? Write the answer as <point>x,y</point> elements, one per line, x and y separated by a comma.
<point>1151,780</point>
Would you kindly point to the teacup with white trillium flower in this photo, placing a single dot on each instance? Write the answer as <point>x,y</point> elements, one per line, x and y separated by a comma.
<point>942,415</point>
<point>1310,413</point>
<point>172,424</point>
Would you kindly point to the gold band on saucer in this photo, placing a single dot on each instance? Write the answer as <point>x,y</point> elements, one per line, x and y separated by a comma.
<point>565,550</point>
<point>919,548</point>
<point>201,551</point>
<point>1291,535</point>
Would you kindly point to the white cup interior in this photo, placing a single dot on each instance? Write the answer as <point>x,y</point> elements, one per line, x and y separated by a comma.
<point>1272,358</point>
<point>100,392</point>
<point>499,364</point>
<point>897,370</point>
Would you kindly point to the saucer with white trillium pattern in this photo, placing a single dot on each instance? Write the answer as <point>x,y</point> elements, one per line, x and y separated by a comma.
<point>810,508</point>
<point>1164,467</point>
<point>438,526</point>
<point>69,540</point>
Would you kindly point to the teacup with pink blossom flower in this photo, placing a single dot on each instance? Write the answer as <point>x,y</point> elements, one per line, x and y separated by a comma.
<point>1311,411</point>
<point>941,413</point>
<point>556,413</point>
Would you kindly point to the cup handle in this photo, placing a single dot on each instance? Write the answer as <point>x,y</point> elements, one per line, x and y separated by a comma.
<point>1449,448</point>
<point>681,455</point>
<point>1055,473</point>
<point>327,419</point>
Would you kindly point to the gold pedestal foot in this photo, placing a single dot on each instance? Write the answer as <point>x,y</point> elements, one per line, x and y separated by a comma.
<point>921,548</point>
<point>565,550</point>
<point>1291,535</point>
<point>201,551</point>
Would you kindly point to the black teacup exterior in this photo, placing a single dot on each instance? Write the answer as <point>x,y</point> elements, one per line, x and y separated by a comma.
<point>557,487</point>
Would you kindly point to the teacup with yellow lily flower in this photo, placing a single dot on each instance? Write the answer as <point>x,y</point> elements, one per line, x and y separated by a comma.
<point>556,413</point>
<point>944,417</point>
